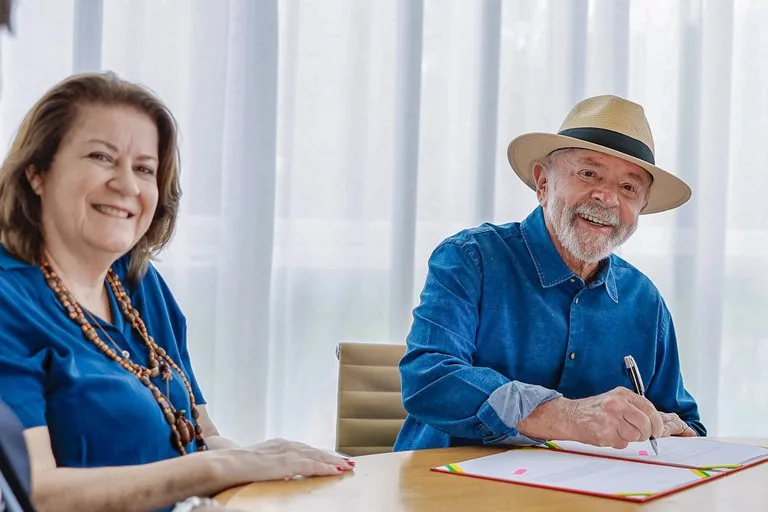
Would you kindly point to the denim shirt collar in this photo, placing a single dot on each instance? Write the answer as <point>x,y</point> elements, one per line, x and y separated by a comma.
<point>550,267</point>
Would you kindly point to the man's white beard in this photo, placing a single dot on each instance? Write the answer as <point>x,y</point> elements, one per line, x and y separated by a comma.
<point>585,245</point>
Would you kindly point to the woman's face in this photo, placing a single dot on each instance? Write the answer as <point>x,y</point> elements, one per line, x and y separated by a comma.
<point>100,194</point>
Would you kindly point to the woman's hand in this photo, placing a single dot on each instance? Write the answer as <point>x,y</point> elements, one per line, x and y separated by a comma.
<point>279,459</point>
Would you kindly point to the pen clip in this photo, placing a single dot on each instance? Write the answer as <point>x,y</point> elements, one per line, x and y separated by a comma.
<point>634,375</point>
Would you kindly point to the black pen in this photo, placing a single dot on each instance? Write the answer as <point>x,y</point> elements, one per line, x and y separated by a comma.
<point>637,384</point>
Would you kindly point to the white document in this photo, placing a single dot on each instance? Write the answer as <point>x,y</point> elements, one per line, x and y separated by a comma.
<point>579,473</point>
<point>690,452</point>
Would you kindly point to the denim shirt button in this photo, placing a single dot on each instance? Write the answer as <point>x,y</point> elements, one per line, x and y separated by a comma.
<point>573,356</point>
<point>572,280</point>
<point>576,300</point>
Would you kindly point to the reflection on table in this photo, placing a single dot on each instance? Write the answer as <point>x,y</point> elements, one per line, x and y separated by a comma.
<point>403,482</point>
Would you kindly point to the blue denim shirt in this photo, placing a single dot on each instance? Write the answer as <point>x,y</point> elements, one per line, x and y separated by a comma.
<point>504,325</point>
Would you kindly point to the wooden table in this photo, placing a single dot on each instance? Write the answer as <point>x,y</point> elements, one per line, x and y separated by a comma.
<point>403,482</point>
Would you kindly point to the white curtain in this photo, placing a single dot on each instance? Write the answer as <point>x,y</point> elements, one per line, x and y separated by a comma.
<point>329,146</point>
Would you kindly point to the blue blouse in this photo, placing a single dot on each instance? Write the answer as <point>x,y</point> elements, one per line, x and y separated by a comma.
<point>97,413</point>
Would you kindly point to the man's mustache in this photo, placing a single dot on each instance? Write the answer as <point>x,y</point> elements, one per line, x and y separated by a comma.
<point>601,213</point>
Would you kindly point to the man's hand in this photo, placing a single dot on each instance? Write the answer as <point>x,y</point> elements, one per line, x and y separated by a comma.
<point>674,426</point>
<point>615,418</point>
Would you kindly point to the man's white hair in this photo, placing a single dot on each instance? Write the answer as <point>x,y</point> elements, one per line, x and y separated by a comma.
<point>550,159</point>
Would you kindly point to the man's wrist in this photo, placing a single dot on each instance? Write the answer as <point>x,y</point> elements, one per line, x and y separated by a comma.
<point>549,420</point>
<point>564,416</point>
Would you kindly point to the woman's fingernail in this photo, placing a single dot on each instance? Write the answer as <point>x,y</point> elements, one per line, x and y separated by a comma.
<point>339,468</point>
<point>351,463</point>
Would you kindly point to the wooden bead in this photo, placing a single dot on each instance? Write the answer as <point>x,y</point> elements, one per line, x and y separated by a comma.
<point>184,428</point>
<point>176,437</point>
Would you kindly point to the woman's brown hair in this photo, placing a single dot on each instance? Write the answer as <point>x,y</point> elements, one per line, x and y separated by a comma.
<point>38,140</point>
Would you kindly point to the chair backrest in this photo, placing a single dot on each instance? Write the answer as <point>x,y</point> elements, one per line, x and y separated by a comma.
<point>370,407</point>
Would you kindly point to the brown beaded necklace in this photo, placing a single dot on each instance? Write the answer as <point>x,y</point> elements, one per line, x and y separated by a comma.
<point>160,363</point>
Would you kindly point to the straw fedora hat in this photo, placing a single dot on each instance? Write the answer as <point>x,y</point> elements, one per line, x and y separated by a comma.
<point>610,125</point>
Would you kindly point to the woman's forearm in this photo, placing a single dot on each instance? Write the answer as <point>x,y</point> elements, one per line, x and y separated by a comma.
<point>129,488</point>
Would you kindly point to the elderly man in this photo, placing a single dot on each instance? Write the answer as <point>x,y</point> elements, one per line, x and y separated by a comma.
<point>522,328</point>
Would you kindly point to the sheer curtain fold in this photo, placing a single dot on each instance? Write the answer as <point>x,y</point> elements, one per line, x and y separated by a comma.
<point>327,147</point>
<point>86,50</point>
<point>487,112</point>
<point>712,200</point>
<point>407,104</point>
<point>247,198</point>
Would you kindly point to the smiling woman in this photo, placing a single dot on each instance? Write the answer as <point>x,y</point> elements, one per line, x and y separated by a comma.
<point>98,371</point>
<point>100,193</point>
<point>91,121</point>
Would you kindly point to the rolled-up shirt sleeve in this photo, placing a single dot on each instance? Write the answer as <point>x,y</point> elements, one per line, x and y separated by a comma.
<point>440,385</point>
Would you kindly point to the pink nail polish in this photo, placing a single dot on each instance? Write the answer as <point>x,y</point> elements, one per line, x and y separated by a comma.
<point>339,468</point>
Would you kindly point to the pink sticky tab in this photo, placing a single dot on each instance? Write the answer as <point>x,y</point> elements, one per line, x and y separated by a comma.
<point>643,453</point>
<point>520,472</point>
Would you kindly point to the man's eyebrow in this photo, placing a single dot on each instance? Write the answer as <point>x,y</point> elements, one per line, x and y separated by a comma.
<point>637,178</point>
<point>588,160</point>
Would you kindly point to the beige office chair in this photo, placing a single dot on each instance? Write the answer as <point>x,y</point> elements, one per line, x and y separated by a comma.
<point>370,407</point>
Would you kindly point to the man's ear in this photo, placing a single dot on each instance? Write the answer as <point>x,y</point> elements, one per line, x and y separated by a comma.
<point>35,179</point>
<point>540,179</point>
